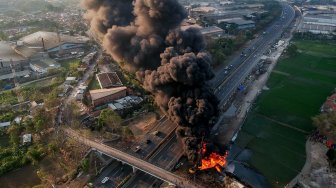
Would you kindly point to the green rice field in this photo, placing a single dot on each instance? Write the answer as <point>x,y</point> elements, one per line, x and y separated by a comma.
<point>278,125</point>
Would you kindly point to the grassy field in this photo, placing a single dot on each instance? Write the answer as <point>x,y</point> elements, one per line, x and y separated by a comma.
<point>280,121</point>
<point>67,63</point>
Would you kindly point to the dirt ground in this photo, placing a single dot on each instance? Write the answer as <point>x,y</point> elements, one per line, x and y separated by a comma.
<point>142,124</point>
<point>317,172</point>
<point>23,177</point>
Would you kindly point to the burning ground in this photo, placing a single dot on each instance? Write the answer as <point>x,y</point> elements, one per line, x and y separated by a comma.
<point>172,64</point>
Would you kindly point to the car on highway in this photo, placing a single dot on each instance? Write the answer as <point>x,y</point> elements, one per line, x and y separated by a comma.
<point>105,180</point>
<point>156,133</point>
<point>137,149</point>
<point>178,165</point>
<point>147,141</point>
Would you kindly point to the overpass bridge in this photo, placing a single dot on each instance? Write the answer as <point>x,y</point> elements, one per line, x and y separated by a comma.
<point>137,163</point>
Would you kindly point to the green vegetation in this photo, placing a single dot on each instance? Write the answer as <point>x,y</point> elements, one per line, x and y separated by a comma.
<point>277,128</point>
<point>326,124</point>
<point>3,36</point>
<point>8,97</point>
<point>317,48</point>
<point>85,164</point>
<point>14,155</point>
<point>71,67</point>
<point>273,9</point>
<point>109,118</point>
<point>292,50</point>
<point>94,84</point>
<point>221,48</point>
<point>44,90</point>
<point>7,116</point>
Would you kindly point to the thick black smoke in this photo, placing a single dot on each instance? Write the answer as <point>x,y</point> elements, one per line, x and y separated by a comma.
<point>103,14</point>
<point>171,63</point>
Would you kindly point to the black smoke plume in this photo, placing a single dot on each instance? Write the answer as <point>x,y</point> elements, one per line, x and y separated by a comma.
<point>172,64</point>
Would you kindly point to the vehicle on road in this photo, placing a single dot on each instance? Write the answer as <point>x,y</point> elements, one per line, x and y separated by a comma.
<point>148,141</point>
<point>137,149</point>
<point>156,133</point>
<point>105,180</point>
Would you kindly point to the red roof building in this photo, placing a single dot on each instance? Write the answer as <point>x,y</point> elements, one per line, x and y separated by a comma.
<point>109,80</point>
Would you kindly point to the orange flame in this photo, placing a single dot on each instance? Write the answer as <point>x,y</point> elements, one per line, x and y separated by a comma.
<point>214,160</point>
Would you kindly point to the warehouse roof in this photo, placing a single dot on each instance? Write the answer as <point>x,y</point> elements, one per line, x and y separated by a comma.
<point>50,39</point>
<point>238,21</point>
<point>211,29</point>
<point>108,80</point>
<point>101,93</point>
<point>7,52</point>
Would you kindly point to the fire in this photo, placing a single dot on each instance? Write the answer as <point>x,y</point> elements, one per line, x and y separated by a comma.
<point>214,160</point>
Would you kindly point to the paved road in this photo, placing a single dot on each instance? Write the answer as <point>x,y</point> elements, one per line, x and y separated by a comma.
<point>164,127</point>
<point>116,172</point>
<point>226,85</point>
<point>166,157</point>
<point>131,160</point>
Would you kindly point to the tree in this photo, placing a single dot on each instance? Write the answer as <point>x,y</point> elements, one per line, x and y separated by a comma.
<point>292,50</point>
<point>41,119</point>
<point>14,135</point>
<point>28,124</point>
<point>326,124</point>
<point>110,119</point>
<point>127,133</point>
<point>85,164</point>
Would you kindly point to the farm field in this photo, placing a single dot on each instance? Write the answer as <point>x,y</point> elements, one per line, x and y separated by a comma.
<point>277,127</point>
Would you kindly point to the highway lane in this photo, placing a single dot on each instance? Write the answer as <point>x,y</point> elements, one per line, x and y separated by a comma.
<point>166,158</point>
<point>115,171</point>
<point>164,127</point>
<point>273,34</point>
<point>269,36</point>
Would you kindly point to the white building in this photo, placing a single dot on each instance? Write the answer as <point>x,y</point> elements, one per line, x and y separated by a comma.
<point>26,139</point>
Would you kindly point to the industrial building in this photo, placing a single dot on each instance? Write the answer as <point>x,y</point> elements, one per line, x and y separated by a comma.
<point>241,23</point>
<point>41,63</point>
<point>104,96</point>
<point>108,80</point>
<point>125,103</point>
<point>53,43</point>
<point>318,23</point>
<point>212,31</point>
<point>33,52</point>
<point>11,60</point>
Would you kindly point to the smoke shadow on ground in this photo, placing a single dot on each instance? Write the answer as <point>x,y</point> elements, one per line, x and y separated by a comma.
<point>239,157</point>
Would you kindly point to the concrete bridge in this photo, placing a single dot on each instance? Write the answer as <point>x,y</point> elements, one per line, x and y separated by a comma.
<point>136,163</point>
